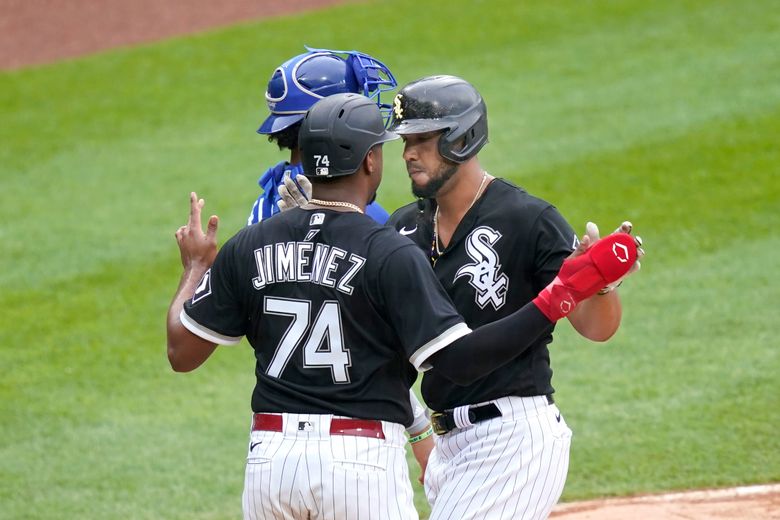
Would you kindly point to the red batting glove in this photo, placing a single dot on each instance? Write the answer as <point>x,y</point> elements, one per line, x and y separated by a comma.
<point>581,277</point>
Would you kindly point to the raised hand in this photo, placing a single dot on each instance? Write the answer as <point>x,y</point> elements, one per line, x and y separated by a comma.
<point>197,249</point>
<point>592,235</point>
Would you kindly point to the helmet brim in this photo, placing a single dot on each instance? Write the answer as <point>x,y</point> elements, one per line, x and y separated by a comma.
<point>276,123</point>
<point>420,126</point>
<point>388,136</point>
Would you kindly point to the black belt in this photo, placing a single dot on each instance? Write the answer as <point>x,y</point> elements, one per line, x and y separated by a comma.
<point>444,422</point>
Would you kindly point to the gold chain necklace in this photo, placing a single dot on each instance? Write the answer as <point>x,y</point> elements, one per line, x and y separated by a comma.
<point>335,203</point>
<point>435,246</point>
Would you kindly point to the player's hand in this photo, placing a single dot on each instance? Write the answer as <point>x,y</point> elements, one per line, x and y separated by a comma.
<point>294,192</point>
<point>197,249</point>
<point>592,235</point>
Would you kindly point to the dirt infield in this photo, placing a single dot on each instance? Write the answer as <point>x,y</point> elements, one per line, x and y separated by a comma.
<point>744,503</point>
<point>34,32</point>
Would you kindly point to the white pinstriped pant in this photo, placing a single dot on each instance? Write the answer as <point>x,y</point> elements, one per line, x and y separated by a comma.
<point>511,467</point>
<point>312,474</point>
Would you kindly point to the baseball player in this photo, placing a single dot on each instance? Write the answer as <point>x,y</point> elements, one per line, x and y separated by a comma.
<point>322,293</point>
<point>502,448</point>
<point>294,87</point>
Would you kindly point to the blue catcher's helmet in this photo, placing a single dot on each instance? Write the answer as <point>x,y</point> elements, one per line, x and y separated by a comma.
<point>301,81</point>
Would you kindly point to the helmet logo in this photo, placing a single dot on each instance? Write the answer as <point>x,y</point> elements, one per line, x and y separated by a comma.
<point>397,110</point>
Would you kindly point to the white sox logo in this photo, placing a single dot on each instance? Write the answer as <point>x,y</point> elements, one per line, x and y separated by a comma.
<point>397,109</point>
<point>486,278</point>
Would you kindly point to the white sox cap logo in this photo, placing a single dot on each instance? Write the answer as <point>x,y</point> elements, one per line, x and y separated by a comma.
<point>486,278</point>
<point>397,109</point>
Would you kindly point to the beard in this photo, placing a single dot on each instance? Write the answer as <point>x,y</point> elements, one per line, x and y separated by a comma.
<point>439,179</point>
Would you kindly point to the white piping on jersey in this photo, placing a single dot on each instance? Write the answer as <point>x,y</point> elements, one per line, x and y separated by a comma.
<point>419,357</point>
<point>205,332</point>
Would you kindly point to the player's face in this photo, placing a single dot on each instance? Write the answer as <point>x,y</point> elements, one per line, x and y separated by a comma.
<point>428,170</point>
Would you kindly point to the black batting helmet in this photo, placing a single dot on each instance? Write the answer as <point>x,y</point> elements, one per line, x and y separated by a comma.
<point>337,133</point>
<point>444,103</point>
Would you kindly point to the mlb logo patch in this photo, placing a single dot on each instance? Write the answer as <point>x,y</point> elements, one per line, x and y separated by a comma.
<point>317,219</point>
<point>321,171</point>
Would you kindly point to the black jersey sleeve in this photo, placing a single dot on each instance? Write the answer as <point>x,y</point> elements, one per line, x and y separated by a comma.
<point>215,312</point>
<point>474,356</point>
<point>554,240</point>
<point>416,305</point>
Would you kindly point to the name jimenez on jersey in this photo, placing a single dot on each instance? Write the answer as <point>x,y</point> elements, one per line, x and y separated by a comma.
<point>305,262</point>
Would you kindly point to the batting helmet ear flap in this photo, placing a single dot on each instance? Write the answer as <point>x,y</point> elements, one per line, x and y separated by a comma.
<point>471,130</point>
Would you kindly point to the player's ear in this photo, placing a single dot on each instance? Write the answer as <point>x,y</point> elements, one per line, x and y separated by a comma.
<point>372,162</point>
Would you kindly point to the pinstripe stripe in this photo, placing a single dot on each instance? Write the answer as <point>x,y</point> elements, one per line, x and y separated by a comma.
<point>530,472</point>
<point>553,468</point>
<point>312,504</point>
<point>478,470</point>
<point>511,463</point>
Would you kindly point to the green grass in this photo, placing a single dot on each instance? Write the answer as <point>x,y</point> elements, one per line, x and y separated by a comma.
<point>665,113</point>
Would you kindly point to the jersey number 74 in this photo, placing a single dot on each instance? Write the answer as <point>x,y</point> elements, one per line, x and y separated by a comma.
<point>326,325</point>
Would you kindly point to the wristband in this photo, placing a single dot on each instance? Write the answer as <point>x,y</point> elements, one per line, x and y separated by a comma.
<point>424,435</point>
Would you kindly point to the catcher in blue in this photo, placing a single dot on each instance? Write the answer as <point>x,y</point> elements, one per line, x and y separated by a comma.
<point>324,296</point>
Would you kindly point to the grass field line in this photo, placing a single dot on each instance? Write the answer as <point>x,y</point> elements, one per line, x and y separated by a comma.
<point>700,495</point>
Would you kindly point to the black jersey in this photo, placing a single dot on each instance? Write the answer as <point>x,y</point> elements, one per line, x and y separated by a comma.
<point>339,310</point>
<point>506,249</point>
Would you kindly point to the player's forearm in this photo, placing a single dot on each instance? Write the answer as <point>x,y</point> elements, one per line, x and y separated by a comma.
<point>422,452</point>
<point>186,351</point>
<point>490,346</point>
<point>598,317</point>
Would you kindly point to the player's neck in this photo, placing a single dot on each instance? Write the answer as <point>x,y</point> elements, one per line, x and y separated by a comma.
<point>295,156</point>
<point>461,192</point>
<point>339,193</point>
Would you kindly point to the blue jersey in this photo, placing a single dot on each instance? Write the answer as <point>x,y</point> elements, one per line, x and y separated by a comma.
<point>266,204</point>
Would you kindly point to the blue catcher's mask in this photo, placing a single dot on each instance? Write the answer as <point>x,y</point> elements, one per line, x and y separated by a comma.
<point>301,81</point>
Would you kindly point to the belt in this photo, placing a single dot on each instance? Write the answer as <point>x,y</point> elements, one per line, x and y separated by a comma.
<point>355,427</point>
<point>444,422</point>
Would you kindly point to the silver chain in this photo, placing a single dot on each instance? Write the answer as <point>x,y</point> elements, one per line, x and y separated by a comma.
<point>436,214</point>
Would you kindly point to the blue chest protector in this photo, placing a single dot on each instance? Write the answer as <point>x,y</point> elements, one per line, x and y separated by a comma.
<point>266,204</point>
